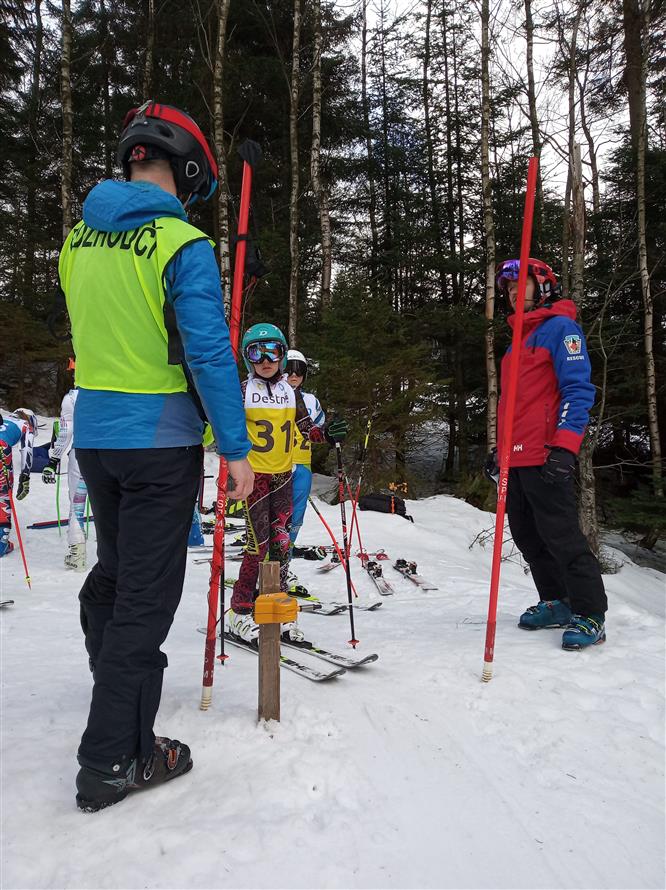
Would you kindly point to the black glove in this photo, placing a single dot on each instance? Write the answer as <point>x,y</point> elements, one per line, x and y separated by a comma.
<point>23,485</point>
<point>560,466</point>
<point>50,470</point>
<point>336,430</point>
<point>491,468</point>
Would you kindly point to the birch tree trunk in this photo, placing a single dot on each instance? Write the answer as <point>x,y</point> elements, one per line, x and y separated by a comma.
<point>432,181</point>
<point>67,118</point>
<point>321,195</point>
<point>295,183</point>
<point>372,209</point>
<point>222,8</point>
<point>489,228</point>
<point>636,21</point>
<point>149,64</point>
<point>109,126</point>
<point>534,124</point>
<point>31,165</point>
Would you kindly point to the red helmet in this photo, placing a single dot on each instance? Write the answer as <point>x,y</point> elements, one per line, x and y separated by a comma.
<point>157,131</point>
<point>540,272</point>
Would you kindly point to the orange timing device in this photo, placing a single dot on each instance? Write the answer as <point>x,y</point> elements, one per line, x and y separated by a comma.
<point>275,608</point>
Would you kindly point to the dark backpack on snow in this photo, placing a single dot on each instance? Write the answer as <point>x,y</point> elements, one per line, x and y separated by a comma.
<point>384,503</point>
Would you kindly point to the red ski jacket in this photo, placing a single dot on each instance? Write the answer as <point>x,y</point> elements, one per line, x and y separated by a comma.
<point>554,393</point>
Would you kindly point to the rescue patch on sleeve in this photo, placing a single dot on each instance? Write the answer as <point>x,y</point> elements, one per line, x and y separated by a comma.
<point>572,343</point>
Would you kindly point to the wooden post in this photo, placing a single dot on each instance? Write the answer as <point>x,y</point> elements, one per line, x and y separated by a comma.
<point>269,649</point>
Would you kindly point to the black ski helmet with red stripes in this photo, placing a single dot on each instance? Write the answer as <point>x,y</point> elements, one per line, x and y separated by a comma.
<point>162,132</point>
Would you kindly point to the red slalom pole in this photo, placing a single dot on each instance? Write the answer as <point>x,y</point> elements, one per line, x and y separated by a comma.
<point>328,528</point>
<point>12,507</point>
<point>251,154</point>
<point>507,432</point>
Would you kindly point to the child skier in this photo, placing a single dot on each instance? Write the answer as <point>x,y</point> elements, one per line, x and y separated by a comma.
<point>76,556</point>
<point>297,372</point>
<point>273,410</point>
<point>552,409</point>
<point>18,427</point>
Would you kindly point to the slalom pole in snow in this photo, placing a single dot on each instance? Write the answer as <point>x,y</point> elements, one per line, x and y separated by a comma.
<point>12,507</point>
<point>355,497</point>
<point>250,152</point>
<point>345,543</point>
<point>358,525</point>
<point>507,432</point>
<point>341,555</point>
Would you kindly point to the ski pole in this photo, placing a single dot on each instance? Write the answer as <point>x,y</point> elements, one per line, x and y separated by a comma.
<point>507,432</point>
<point>12,507</point>
<point>341,555</point>
<point>358,525</point>
<point>250,152</point>
<point>360,478</point>
<point>57,493</point>
<point>345,544</point>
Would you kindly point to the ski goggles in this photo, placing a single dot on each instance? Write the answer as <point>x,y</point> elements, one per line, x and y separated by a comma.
<point>507,271</point>
<point>295,366</point>
<point>265,350</point>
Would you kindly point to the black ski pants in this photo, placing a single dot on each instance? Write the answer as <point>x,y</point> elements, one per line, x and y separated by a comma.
<point>543,520</point>
<point>142,501</point>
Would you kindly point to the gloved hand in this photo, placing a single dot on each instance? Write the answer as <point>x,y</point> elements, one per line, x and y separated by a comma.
<point>491,468</point>
<point>336,430</point>
<point>23,486</point>
<point>560,466</point>
<point>50,470</point>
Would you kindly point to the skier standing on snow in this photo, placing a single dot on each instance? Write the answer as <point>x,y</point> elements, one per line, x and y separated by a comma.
<point>76,557</point>
<point>274,410</point>
<point>297,372</point>
<point>19,427</point>
<point>552,409</point>
<point>145,304</point>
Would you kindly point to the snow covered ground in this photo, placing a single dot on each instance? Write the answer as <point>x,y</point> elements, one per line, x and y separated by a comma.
<point>409,772</point>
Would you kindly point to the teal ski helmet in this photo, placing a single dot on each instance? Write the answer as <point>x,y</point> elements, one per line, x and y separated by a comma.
<point>263,333</point>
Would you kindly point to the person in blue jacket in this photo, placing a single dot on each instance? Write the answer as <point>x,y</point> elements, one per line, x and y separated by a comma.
<point>153,359</point>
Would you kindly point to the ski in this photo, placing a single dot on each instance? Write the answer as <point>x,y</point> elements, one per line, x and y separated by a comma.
<point>408,570</point>
<point>333,563</point>
<point>51,523</point>
<point>6,603</point>
<point>373,569</point>
<point>290,664</point>
<point>343,661</point>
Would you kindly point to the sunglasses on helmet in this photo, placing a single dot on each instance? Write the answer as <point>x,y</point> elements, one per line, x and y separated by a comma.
<point>264,350</point>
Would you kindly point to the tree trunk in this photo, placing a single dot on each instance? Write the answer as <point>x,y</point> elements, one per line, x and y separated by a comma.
<point>67,117</point>
<point>32,165</point>
<point>149,65</point>
<point>221,154</point>
<point>106,51</point>
<point>534,124</point>
<point>372,209</point>
<point>596,193</point>
<point>636,22</point>
<point>295,184</point>
<point>489,229</point>
<point>432,181</point>
<point>321,195</point>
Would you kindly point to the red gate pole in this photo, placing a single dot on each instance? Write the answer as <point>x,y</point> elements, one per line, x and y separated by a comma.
<point>507,433</point>
<point>251,153</point>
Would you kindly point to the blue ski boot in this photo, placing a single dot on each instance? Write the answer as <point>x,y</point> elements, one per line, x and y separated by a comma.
<point>547,613</point>
<point>583,632</point>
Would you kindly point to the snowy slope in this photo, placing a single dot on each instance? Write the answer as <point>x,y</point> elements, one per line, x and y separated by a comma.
<point>407,773</point>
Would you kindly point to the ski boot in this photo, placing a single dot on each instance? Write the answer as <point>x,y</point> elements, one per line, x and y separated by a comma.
<point>291,632</point>
<point>100,788</point>
<point>76,557</point>
<point>547,613</point>
<point>584,631</point>
<point>243,626</point>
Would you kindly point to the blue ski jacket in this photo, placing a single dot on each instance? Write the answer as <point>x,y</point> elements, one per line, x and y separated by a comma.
<point>124,420</point>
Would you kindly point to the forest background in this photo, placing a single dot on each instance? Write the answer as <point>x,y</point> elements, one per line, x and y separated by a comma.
<point>395,143</point>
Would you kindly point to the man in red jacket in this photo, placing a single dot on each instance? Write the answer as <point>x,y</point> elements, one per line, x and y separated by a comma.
<point>553,403</point>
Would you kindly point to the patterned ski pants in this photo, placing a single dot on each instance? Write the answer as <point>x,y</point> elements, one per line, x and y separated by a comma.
<point>267,522</point>
<point>6,471</point>
<point>77,501</point>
